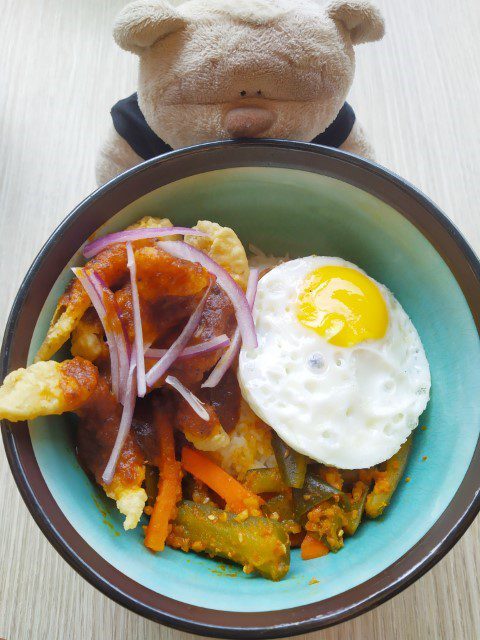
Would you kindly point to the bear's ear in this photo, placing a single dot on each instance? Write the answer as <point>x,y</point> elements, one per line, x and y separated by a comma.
<point>360,18</point>
<point>142,23</point>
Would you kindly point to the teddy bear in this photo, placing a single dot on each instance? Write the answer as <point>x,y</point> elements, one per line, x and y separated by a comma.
<point>221,69</point>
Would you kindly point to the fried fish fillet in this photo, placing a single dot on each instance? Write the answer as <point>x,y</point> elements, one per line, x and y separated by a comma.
<point>205,436</point>
<point>47,388</point>
<point>111,266</point>
<point>223,246</point>
<point>99,419</point>
<point>160,274</point>
<point>87,338</point>
<point>129,496</point>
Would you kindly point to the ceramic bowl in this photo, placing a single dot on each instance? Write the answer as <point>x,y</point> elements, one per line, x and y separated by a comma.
<point>299,199</point>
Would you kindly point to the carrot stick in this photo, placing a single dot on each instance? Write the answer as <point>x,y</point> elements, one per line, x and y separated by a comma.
<point>312,548</point>
<point>169,486</point>
<point>237,497</point>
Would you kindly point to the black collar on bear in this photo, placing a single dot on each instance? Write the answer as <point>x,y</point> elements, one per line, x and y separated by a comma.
<point>130,124</point>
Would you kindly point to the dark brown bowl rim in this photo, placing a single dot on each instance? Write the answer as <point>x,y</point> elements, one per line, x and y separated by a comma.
<point>74,230</point>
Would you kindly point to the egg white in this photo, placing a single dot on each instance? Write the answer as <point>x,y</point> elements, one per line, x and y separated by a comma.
<point>347,407</point>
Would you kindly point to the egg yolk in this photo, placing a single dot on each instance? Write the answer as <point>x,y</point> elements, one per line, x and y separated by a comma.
<point>343,306</point>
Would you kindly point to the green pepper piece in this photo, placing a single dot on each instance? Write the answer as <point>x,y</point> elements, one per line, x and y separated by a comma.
<point>379,498</point>
<point>331,521</point>
<point>334,540</point>
<point>281,504</point>
<point>264,481</point>
<point>256,542</point>
<point>350,477</point>
<point>357,506</point>
<point>151,484</point>
<point>314,492</point>
<point>292,465</point>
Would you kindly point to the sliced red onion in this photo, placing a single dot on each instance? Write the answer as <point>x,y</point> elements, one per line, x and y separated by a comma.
<point>234,292</point>
<point>225,362</point>
<point>125,421</point>
<point>162,366</point>
<point>137,323</point>
<point>115,326</point>
<point>97,302</point>
<point>123,324</point>
<point>111,298</point>
<point>92,248</point>
<point>189,397</point>
<point>220,342</point>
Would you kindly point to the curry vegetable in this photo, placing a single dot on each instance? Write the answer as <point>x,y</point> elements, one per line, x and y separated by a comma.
<point>257,543</point>
<point>357,507</point>
<point>264,481</point>
<point>387,481</point>
<point>292,465</point>
<point>314,492</point>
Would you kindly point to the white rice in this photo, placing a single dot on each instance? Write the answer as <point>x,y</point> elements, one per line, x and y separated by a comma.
<point>261,260</point>
<point>250,446</point>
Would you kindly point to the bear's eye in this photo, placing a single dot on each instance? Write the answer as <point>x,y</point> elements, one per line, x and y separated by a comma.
<point>259,93</point>
<point>243,93</point>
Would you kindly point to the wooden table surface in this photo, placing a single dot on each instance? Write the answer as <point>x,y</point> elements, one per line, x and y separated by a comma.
<point>417,93</point>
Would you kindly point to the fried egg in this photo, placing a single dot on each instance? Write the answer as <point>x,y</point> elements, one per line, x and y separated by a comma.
<point>340,372</point>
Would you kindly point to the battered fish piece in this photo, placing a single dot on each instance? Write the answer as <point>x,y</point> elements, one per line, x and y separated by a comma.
<point>205,436</point>
<point>111,266</point>
<point>47,388</point>
<point>223,246</point>
<point>87,338</point>
<point>130,498</point>
<point>159,275</point>
<point>99,419</point>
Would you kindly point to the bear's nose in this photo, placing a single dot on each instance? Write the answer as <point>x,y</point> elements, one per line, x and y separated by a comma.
<point>248,122</point>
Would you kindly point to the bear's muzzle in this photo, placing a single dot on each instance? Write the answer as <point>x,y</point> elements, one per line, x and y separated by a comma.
<point>248,122</point>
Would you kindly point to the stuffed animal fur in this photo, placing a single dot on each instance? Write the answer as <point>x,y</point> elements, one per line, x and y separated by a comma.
<point>217,69</point>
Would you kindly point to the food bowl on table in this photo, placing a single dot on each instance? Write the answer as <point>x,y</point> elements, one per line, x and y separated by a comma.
<point>292,199</point>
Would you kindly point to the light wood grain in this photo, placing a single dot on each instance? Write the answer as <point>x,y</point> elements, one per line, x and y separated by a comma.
<point>417,92</point>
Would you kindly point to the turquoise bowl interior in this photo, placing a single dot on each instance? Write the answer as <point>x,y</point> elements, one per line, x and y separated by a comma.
<point>297,212</point>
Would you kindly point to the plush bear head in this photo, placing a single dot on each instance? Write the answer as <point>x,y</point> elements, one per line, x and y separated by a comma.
<point>216,69</point>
